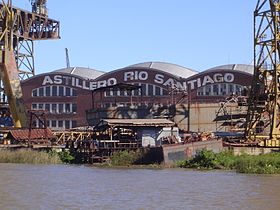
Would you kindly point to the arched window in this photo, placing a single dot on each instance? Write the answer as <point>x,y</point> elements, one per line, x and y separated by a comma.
<point>54,91</point>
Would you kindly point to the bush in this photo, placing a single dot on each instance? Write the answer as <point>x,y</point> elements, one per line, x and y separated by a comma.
<point>124,158</point>
<point>204,159</point>
<point>257,164</point>
<point>225,160</point>
<point>261,164</point>
<point>66,157</point>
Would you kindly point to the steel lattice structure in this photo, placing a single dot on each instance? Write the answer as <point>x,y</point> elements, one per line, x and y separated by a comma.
<point>18,30</point>
<point>263,119</point>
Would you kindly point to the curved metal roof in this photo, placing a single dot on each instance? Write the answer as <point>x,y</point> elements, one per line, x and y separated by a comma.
<point>170,68</point>
<point>236,67</point>
<point>82,72</point>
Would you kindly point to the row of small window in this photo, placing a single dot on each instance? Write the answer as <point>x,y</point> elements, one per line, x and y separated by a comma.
<point>108,105</point>
<point>145,90</point>
<point>222,89</point>
<point>54,91</point>
<point>56,108</point>
<point>58,124</point>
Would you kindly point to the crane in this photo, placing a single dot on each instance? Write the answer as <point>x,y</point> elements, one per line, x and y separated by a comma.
<point>17,27</point>
<point>263,117</point>
<point>39,7</point>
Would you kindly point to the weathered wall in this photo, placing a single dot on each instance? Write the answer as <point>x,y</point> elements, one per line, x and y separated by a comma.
<point>252,150</point>
<point>173,153</point>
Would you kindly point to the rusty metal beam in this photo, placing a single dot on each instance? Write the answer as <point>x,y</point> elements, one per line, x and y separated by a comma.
<point>31,26</point>
<point>18,30</point>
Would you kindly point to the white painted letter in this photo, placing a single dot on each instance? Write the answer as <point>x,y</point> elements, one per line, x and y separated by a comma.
<point>128,76</point>
<point>159,78</point>
<point>47,80</point>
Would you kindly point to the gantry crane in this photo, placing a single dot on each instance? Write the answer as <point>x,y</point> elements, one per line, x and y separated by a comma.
<point>18,30</point>
<point>263,119</point>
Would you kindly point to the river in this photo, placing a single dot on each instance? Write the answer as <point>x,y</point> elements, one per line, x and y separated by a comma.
<point>82,187</point>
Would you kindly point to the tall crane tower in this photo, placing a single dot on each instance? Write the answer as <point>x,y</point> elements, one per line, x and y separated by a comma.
<point>18,30</point>
<point>263,119</point>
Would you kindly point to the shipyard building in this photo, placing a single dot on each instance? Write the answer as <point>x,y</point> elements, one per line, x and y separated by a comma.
<point>75,97</point>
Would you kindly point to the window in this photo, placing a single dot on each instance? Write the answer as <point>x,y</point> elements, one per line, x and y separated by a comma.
<point>150,90</point>
<point>143,89</point>
<point>157,91</point>
<point>54,90</point>
<point>67,108</point>
<point>41,106</point>
<point>74,123</point>
<point>215,90</point>
<point>137,91</point>
<point>223,89</point>
<point>115,93</point>
<point>67,124</point>
<point>74,92</point>
<point>61,91</point>
<point>68,92</point>
<point>41,91</point>
<point>200,92</point>
<point>34,93</point>
<point>47,107</point>
<point>60,123</point>
<point>238,89</point>
<point>208,90</point>
<point>53,123</point>
<point>34,106</point>
<point>48,91</point>
<point>54,108</point>
<point>74,108</point>
<point>60,108</point>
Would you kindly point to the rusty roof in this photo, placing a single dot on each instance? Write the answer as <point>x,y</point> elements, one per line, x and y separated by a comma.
<point>136,122</point>
<point>23,134</point>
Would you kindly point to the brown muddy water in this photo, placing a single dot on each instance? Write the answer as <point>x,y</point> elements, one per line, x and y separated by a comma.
<point>82,187</point>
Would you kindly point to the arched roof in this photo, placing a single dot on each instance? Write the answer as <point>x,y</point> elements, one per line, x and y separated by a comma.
<point>170,68</point>
<point>82,72</point>
<point>237,67</point>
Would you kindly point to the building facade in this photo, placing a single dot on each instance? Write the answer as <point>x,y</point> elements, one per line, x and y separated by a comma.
<point>67,94</point>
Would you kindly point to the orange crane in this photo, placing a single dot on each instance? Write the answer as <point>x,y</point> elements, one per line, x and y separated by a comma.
<point>19,27</point>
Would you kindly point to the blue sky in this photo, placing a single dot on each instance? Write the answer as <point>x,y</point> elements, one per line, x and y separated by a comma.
<point>109,34</point>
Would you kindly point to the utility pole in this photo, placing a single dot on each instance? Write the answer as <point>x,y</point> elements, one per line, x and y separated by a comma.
<point>67,58</point>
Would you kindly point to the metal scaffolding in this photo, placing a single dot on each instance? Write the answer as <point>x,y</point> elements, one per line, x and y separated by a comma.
<point>18,30</point>
<point>263,119</point>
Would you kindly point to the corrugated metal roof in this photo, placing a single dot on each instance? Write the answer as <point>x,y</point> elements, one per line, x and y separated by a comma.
<point>21,135</point>
<point>170,68</point>
<point>138,122</point>
<point>236,67</point>
<point>82,72</point>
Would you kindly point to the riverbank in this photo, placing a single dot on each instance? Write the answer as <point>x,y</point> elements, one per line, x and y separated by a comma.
<point>28,156</point>
<point>250,164</point>
<point>204,160</point>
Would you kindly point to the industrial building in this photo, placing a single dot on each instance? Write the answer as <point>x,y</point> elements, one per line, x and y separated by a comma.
<point>74,97</point>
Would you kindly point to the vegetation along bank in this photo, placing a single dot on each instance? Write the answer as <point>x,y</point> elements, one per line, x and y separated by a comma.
<point>256,164</point>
